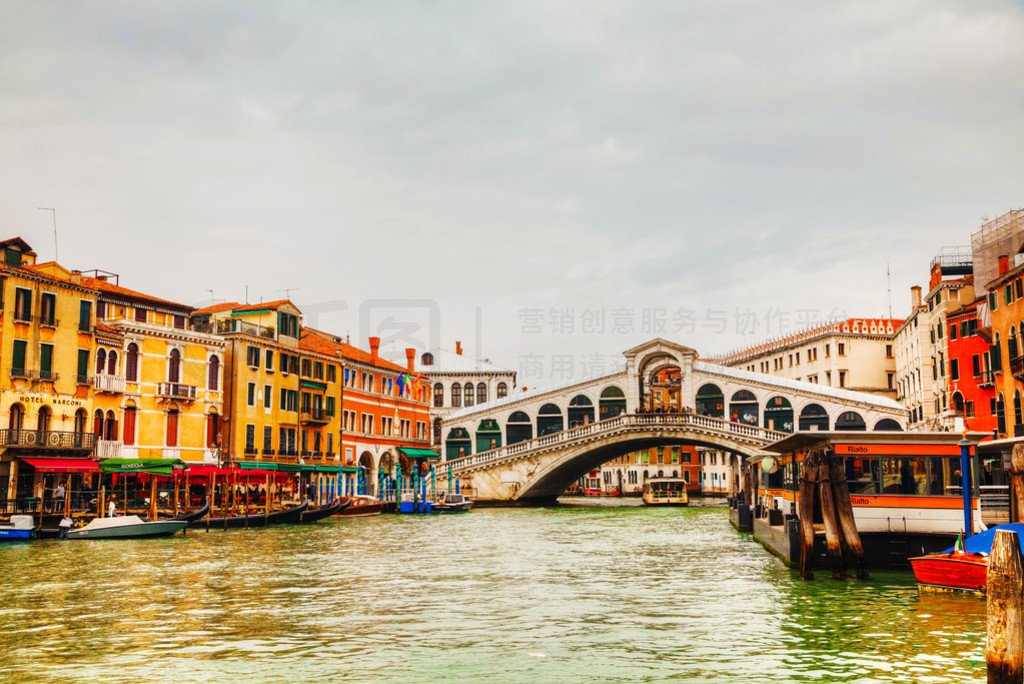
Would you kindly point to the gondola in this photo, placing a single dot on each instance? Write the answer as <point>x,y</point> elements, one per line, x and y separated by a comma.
<point>313,514</point>
<point>251,520</point>
<point>191,515</point>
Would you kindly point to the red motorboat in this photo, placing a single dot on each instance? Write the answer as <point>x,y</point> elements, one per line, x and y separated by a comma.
<point>963,567</point>
<point>362,505</point>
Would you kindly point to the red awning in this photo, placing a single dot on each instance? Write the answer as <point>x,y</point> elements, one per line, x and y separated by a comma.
<point>62,465</point>
<point>205,470</point>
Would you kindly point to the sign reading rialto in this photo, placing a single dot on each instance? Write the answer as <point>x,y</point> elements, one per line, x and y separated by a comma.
<point>50,399</point>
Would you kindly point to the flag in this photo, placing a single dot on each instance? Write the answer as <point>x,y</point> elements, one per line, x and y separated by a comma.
<point>958,548</point>
<point>401,385</point>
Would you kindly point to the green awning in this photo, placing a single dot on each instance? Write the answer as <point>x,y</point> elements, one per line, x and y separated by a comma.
<point>348,469</point>
<point>307,468</point>
<point>288,467</point>
<point>326,469</point>
<point>313,385</point>
<point>419,453</point>
<point>149,466</point>
<point>256,465</point>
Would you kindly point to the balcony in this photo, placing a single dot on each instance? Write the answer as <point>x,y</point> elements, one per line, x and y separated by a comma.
<point>314,415</point>
<point>48,376</point>
<point>40,376</point>
<point>48,439</point>
<point>114,384</point>
<point>108,448</point>
<point>987,380</point>
<point>176,390</point>
<point>1017,367</point>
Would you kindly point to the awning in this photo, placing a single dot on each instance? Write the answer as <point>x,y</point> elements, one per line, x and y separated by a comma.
<point>348,469</point>
<point>288,467</point>
<point>309,384</point>
<point>419,453</point>
<point>256,465</point>
<point>326,469</point>
<point>147,466</point>
<point>62,465</point>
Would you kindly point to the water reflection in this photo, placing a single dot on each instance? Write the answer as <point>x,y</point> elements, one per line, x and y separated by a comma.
<point>506,595</point>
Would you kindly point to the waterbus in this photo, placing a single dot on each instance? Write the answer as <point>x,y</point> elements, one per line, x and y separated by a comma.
<point>665,491</point>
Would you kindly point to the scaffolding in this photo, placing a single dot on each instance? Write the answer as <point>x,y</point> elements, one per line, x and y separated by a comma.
<point>954,261</point>
<point>1002,235</point>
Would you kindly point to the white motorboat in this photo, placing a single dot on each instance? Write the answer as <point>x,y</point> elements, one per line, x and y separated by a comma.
<point>126,527</point>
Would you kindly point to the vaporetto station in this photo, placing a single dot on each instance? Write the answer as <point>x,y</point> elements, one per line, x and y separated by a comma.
<point>530,446</point>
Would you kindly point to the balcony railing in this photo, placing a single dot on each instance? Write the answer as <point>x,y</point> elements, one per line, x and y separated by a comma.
<point>1017,367</point>
<point>48,439</point>
<point>108,448</point>
<point>23,373</point>
<point>176,390</point>
<point>314,415</point>
<point>987,380</point>
<point>49,376</point>
<point>109,383</point>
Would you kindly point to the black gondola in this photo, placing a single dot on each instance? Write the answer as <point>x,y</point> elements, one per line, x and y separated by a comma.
<point>253,519</point>
<point>190,516</point>
<point>326,511</point>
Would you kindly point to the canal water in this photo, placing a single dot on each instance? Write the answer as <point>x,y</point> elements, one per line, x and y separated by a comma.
<point>573,593</point>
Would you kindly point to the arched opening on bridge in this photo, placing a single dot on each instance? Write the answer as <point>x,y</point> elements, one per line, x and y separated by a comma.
<point>488,435</point>
<point>778,415</point>
<point>365,481</point>
<point>581,411</point>
<point>664,395</point>
<point>710,401</point>
<point>612,402</point>
<point>888,425</point>
<point>518,428</point>
<point>850,420</point>
<point>549,419</point>
<point>813,417</point>
<point>743,408</point>
<point>458,444</point>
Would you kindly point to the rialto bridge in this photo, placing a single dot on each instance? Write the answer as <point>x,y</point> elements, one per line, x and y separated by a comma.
<point>530,446</point>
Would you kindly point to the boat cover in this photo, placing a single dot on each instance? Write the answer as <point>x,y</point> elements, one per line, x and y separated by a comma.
<point>982,542</point>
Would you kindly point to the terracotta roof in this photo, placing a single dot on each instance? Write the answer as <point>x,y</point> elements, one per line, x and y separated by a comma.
<point>264,305</point>
<point>25,248</point>
<point>319,340</point>
<point>318,344</point>
<point>215,308</point>
<point>116,290</point>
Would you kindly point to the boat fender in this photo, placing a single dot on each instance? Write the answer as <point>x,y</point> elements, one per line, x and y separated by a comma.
<point>65,525</point>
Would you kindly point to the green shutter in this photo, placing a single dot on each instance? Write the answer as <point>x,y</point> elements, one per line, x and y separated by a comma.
<point>18,357</point>
<point>45,358</point>
<point>85,316</point>
<point>83,363</point>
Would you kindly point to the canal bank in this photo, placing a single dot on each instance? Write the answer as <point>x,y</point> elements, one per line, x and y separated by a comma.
<point>526,595</point>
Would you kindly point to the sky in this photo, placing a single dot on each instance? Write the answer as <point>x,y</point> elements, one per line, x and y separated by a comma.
<point>550,183</point>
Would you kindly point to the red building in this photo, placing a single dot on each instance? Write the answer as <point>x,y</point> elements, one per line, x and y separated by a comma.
<point>971,382</point>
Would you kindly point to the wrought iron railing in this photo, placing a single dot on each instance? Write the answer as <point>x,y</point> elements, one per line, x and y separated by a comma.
<point>48,439</point>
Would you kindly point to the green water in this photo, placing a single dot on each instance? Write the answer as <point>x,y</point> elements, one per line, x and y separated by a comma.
<point>537,595</point>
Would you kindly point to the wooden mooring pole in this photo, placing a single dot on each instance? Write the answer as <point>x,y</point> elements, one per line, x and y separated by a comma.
<point>1017,483</point>
<point>844,509</point>
<point>833,534</point>
<point>1005,652</point>
<point>808,485</point>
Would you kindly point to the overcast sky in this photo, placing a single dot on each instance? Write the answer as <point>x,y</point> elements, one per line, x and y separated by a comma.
<point>711,172</point>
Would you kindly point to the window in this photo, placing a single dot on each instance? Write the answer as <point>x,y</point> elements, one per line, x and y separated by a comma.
<point>101,360</point>
<point>330,405</point>
<point>481,393</point>
<point>174,366</point>
<point>842,378</point>
<point>268,393</point>
<point>128,432</point>
<point>952,332</point>
<point>841,350</point>
<point>252,356</point>
<point>213,374</point>
<point>48,310</point>
<point>888,351</point>
<point>976,366</point>
<point>438,395</point>
<point>269,361</point>
<point>22,304</point>
<point>287,324</point>
<point>83,366</point>
<point>18,358</point>
<point>456,395</point>
<point>112,363</point>
<point>131,363</point>
<point>954,369</point>
<point>289,400</point>
<point>307,366</point>
<point>172,428</point>
<point>250,439</point>
<point>467,394</point>
<point>502,390</point>
<point>46,362</point>
<point>250,394</point>
<point>140,314</point>
<point>332,373</point>
<point>993,301</point>
<point>828,350</point>
<point>268,439</point>
<point>318,370</point>
<point>1008,294</point>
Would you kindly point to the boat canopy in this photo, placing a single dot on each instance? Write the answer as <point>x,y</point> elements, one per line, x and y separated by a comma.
<point>419,453</point>
<point>982,542</point>
<point>148,466</point>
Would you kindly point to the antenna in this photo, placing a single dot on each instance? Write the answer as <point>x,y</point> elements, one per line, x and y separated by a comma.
<point>888,285</point>
<point>54,212</point>
<point>287,291</point>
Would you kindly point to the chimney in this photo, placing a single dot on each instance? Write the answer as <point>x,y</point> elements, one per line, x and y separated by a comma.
<point>458,348</point>
<point>915,296</point>
<point>76,276</point>
<point>410,359</point>
<point>1004,263</point>
<point>374,349</point>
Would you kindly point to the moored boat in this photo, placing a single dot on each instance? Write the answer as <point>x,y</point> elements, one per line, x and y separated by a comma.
<point>665,491</point>
<point>20,528</point>
<point>288,515</point>
<point>126,527</point>
<point>327,510</point>
<point>452,503</point>
<point>961,568</point>
<point>362,505</point>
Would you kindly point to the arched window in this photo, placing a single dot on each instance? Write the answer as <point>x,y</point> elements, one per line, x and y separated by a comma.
<point>438,395</point>
<point>427,359</point>
<point>850,420</point>
<point>1011,343</point>
<point>16,417</point>
<point>131,364</point>
<point>549,419</point>
<point>710,401</point>
<point>481,393</point>
<point>174,366</point>
<point>112,363</point>
<point>1018,419</point>
<point>518,428</point>
<point>213,430</point>
<point>213,373</point>
<point>101,360</point>
<point>467,394</point>
<point>43,419</point>
<point>111,427</point>
<point>97,424</point>
<point>456,395</point>
<point>1001,413</point>
<point>81,419</point>
<point>502,390</point>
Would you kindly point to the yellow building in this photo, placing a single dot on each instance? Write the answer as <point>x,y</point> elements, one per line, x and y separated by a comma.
<point>46,340</point>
